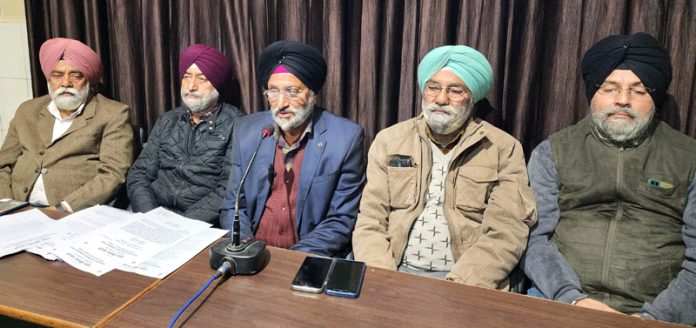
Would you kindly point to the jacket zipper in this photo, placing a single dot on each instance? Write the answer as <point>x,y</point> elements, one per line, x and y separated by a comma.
<point>612,224</point>
<point>189,150</point>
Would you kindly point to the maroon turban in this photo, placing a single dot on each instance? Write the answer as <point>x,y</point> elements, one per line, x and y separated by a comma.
<point>211,62</point>
<point>74,52</point>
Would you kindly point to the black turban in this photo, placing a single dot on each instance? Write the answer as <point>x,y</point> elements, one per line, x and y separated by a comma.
<point>303,61</point>
<point>641,53</point>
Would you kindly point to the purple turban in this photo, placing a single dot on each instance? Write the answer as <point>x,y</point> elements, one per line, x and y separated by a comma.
<point>211,62</point>
<point>74,52</point>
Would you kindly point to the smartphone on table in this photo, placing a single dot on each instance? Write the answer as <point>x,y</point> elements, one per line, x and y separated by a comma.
<point>346,278</point>
<point>311,277</point>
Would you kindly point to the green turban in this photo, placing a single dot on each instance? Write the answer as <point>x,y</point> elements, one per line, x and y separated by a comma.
<point>465,62</point>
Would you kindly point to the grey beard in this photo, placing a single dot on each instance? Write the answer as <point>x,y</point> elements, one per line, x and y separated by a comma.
<point>620,131</point>
<point>69,103</point>
<point>301,115</point>
<point>444,125</point>
<point>201,104</point>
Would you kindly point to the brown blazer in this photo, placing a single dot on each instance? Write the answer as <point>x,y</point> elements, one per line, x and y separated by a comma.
<point>84,167</point>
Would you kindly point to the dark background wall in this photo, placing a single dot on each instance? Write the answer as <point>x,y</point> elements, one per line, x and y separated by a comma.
<point>373,49</point>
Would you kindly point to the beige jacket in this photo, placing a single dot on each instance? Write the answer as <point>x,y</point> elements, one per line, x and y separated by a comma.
<point>84,167</point>
<point>488,203</point>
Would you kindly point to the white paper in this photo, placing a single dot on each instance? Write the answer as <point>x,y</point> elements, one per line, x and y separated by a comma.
<point>24,229</point>
<point>164,263</point>
<point>131,241</point>
<point>77,224</point>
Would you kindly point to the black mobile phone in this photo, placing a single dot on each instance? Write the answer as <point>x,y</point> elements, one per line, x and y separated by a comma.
<point>311,277</point>
<point>346,278</point>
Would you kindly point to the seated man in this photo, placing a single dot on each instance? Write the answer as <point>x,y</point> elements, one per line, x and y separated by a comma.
<point>69,149</point>
<point>183,166</point>
<point>446,194</point>
<point>303,188</point>
<point>617,193</point>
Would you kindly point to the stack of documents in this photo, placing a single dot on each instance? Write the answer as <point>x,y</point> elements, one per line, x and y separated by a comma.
<point>101,238</point>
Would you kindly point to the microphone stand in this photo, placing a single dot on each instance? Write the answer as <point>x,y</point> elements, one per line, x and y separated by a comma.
<point>248,256</point>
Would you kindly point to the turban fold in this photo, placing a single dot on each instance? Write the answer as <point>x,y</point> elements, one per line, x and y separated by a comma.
<point>465,62</point>
<point>211,62</point>
<point>74,52</point>
<point>301,60</point>
<point>640,52</point>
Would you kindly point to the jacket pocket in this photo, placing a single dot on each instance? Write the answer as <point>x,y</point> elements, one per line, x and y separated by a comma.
<point>649,277</point>
<point>658,186</point>
<point>473,187</point>
<point>402,186</point>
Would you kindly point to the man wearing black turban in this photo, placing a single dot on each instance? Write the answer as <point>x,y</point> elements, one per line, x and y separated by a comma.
<point>304,186</point>
<point>616,194</point>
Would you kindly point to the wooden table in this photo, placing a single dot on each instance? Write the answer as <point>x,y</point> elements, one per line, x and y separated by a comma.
<point>388,299</point>
<point>55,294</point>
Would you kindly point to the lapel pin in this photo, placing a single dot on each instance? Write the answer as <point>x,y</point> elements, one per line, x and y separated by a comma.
<point>320,144</point>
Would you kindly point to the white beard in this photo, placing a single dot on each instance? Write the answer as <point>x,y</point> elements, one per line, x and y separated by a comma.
<point>442,123</point>
<point>69,102</point>
<point>200,103</point>
<point>620,130</point>
<point>300,115</point>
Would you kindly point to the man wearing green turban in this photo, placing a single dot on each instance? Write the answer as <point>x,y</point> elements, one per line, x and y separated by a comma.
<point>447,194</point>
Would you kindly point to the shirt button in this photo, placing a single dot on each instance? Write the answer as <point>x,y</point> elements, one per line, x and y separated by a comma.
<point>283,208</point>
<point>41,152</point>
<point>44,170</point>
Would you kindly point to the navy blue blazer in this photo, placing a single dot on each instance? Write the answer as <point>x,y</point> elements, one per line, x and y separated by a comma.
<point>331,181</point>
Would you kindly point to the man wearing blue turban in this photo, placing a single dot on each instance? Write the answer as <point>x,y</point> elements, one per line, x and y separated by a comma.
<point>446,194</point>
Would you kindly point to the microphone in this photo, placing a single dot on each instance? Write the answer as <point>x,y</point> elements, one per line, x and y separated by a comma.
<point>265,132</point>
<point>248,256</point>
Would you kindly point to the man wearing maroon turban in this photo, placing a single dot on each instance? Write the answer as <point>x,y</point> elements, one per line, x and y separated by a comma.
<point>185,162</point>
<point>69,149</point>
<point>616,193</point>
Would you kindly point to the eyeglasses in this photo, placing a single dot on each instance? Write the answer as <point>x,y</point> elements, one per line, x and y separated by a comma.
<point>456,94</point>
<point>291,93</point>
<point>638,93</point>
<point>72,77</point>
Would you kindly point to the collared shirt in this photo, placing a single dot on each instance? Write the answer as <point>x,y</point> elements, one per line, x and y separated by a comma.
<point>60,126</point>
<point>203,116</point>
<point>450,145</point>
<point>289,151</point>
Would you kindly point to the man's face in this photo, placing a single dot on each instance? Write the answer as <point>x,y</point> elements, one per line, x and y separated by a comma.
<point>67,86</point>
<point>621,107</point>
<point>291,101</point>
<point>447,102</point>
<point>197,93</point>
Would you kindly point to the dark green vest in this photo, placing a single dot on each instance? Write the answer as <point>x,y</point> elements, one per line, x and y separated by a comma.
<point>621,210</point>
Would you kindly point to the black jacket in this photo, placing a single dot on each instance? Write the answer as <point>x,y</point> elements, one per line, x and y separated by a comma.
<point>184,168</point>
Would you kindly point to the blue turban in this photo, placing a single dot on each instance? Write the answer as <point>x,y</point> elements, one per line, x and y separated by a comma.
<point>465,62</point>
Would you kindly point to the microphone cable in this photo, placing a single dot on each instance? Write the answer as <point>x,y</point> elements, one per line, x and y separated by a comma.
<point>224,270</point>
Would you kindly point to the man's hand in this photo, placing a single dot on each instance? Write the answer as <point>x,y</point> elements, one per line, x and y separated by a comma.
<point>595,305</point>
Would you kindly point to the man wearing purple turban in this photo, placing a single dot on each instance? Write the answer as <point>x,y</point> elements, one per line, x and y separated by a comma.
<point>69,149</point>
<point>185,163</point>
